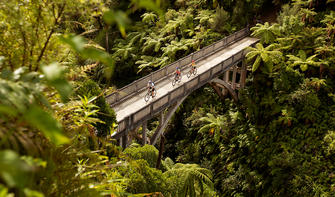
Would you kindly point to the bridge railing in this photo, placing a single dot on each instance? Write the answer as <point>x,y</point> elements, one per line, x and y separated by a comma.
<point>164,72</point>
<point>145,113</point>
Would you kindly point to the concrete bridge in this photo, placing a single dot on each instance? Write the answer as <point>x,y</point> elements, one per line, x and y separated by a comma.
<point>220,64</point>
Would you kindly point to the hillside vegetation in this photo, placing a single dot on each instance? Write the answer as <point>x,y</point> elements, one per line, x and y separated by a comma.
<point>58,59</point>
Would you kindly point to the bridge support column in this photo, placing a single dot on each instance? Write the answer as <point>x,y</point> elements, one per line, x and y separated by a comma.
<point>124,141</point>
<point>243,74</point>
<point>230,83</point>
<point>164,120</point>
<point>144,133</point>
<point>218,91</point>
<point>224,85</point>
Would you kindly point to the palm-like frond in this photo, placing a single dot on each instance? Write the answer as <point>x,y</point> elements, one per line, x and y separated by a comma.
<point>171,27</point>
<point>307,14</point>
<point>325,50</point>
<point>303,3</point>
<point>329,18</point>
<point>289,42</point>
<point>302,60</point>
<point>205,17</point>
<point>217,123</point>
<point>152,43</point>
<point>192,177</point>
<point>123,51</point>
<point>265,32</point>
<point>266,55</point>
<point>151,62</point>
<point>172,48</point>
<point>149,17</point>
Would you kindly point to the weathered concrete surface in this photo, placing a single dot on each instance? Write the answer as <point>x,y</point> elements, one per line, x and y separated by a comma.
<point>133,104</point>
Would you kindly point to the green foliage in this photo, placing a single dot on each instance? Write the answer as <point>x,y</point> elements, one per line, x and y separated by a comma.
<point>266,33</point>
<point>106,114</point>
<point>189,179</point>
<point>77,43</point>
<point>265,57</point>
<point>141,178</point>
<point>35,42</point>
<point>220,21</point>
<point>54,74</point>
<point>302,60</point>
<point>215,126</point>
<point>289,20</point>
<point>147,152</point>
<point>118,17</point>
<point>22,93</point>
<point>37,108</point>
<point>149,18</point>
<point>278,140</point>
<point>45,123</point>
<point>14,171</point>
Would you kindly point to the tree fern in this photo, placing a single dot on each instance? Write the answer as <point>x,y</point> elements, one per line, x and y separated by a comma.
<point>205,17</point>
<point>264,56</point>
<point>151,62</point>
<point>171,49</point>
<point>152,43</point>
<point>302,60</point>
<point>191,177</point>
<point>265,32</point>
<point>149,17</point>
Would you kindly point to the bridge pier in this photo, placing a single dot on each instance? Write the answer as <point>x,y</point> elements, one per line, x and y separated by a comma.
<point>124,141</point>
<point>232,79</point>
<point>164,120</point>
<point>144,133</point>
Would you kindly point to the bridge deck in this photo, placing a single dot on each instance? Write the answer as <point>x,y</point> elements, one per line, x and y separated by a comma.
<point>136,102</point>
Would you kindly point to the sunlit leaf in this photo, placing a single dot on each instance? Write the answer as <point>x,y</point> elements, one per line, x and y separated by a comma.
<point>3,191</point>
<point>32,193</point>
<point>256,64</point>
<point>8,110</point>
<point>54,75</point>
<point>303,67</point>
<point>13,170</point>
<point>78,44</point>
<point>2,59</point>
<point>118,17</point>
<point>43,121</point>
<point>149,5</point>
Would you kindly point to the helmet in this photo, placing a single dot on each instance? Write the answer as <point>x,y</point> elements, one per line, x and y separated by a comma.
<point>192,61</point>
<point>150,81</point>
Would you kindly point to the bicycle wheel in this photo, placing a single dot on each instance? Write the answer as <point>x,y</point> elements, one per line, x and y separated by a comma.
<point>147,97</point>
<point>154,94</point>
<point>179,78</point>
<point>174,81</point>
<point>195,71</point>
<point>189,73</point>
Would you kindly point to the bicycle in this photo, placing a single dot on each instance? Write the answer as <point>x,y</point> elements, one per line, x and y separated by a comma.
<point>175,79</point>
<point>192,71</point>
<point>150,93</point>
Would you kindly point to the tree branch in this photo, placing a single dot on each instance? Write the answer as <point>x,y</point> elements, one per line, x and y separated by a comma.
<point>50,34</point>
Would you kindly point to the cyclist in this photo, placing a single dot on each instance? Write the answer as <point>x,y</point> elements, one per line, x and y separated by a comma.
<point>177,72</point>
<point>193,65</point>
<point>151,87</point>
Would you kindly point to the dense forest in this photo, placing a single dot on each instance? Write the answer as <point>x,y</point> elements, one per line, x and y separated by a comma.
<point>60,58</point>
